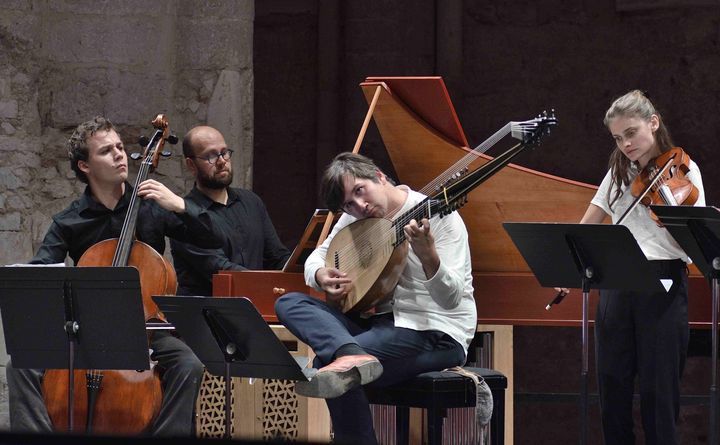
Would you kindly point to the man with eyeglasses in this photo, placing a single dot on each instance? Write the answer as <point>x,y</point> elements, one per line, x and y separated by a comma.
<point>238,216</point>
<point>97,156</point>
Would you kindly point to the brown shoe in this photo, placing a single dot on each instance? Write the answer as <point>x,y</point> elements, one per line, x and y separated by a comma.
<point>340,376</point>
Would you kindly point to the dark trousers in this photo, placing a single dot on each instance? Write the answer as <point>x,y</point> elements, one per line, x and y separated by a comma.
<point>181,378</point>
<point>642,334</point>
<point>403,353</point>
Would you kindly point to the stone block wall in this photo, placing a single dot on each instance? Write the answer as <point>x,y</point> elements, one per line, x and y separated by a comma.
<point>63,62</point>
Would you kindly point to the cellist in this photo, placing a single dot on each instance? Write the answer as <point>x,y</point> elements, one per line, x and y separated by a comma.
<point>98,158</point>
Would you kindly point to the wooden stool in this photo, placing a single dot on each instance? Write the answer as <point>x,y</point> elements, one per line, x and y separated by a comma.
<point>436,392</point>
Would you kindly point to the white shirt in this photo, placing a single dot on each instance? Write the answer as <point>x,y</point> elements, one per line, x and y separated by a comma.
<point>444,302</point>
<point>655,242</point>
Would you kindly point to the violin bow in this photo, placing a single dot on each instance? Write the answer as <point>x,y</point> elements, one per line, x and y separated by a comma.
<point>652,183</point>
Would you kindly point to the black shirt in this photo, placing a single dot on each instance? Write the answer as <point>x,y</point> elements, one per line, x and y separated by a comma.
<point>86,222</point>
<point>248,236</point>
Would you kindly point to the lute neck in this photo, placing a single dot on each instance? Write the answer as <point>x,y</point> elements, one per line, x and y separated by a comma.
<point>454,195</point>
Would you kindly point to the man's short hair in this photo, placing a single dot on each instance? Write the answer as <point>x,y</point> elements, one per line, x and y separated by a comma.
<point>77,144</point>
<point>332,187</point>
<point>187,145</point>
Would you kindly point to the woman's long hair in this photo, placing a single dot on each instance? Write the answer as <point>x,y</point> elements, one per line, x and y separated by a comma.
<point>632,104</point>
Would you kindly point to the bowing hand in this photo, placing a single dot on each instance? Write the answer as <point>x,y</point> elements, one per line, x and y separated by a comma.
<point>158,192</point>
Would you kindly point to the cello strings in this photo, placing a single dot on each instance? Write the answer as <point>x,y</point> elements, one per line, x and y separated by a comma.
<point>125,237</point>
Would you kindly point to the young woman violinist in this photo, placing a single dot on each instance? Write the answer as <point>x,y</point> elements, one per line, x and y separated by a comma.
<point>636,333</point>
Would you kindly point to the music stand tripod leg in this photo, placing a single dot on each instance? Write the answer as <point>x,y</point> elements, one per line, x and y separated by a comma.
<point>71,383</point>
<point>714,330</point>
<point>71,328</point>
<point>588,272</point>
<point>228,401</point>
<point>231,353</point>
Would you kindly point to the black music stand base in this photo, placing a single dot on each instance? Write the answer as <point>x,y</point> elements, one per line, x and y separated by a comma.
<point>90,305</point>
<point>598,256</point>
<point>584,372</point>
<point>714,434</point>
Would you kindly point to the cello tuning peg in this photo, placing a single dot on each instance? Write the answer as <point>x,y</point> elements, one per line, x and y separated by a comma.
<point>143,141</point>
<point>166,153</point>
<point>172,139</point>
<point>135,156</point>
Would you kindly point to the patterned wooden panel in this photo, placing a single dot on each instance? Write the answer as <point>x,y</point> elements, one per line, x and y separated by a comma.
<point>280,411</point>
<point>210,407</point>
<point>263,409</point>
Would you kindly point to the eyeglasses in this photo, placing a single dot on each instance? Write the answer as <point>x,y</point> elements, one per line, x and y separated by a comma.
<point>213,157</point>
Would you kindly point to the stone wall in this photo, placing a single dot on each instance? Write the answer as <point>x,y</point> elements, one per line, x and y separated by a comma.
<point>63,62</point>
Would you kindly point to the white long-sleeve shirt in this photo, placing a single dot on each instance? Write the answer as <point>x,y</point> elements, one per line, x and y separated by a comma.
<point>444,302</point>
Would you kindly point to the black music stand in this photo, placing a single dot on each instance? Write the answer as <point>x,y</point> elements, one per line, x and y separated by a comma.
<point>231,338</point>
<point>697,230</point>
<point>593,256</point>
<point>80,311</point>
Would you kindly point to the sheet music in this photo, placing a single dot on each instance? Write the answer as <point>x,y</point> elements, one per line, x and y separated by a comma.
<point>36,265</point>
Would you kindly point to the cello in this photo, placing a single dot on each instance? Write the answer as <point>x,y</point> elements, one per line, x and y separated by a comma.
<point>119,401</point>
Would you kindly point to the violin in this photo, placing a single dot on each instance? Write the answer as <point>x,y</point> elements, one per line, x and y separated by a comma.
<point>119,401</point>
<point>663,182</point>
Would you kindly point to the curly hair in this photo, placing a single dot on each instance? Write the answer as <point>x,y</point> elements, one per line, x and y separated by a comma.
<point>77,144</point>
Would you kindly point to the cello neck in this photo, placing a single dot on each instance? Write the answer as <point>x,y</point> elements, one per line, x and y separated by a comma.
<point>127,234</point>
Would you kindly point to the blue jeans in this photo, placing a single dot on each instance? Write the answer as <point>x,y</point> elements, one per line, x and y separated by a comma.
<point>404,353</point>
